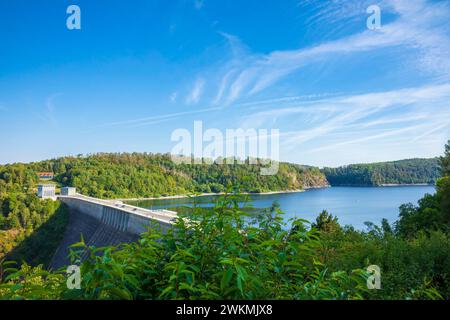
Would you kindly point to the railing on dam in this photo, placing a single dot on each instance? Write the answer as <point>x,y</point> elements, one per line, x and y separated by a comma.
<point>121,216</point>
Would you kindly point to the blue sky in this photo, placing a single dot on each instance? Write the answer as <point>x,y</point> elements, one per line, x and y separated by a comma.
<point>338,92</point>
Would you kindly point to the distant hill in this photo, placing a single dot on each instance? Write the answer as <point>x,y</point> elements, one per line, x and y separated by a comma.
<point>411,171</point>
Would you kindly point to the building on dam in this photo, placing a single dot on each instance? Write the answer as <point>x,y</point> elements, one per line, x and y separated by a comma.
<point>68,191</point>
<point>46,191</point>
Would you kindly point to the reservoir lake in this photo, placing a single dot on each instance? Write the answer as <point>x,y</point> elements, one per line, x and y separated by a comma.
<point>352,205</point>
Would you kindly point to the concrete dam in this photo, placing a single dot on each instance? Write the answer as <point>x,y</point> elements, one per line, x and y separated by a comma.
<point>104,223</point>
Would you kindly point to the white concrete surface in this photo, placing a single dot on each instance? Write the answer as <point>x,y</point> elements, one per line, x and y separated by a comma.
<point>121,216</point>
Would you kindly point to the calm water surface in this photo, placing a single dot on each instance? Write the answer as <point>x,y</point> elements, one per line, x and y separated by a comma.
<point>352,205</point>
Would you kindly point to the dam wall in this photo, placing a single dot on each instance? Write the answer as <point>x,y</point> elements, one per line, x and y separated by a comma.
<point>121,217</point>
<point>105,223</point>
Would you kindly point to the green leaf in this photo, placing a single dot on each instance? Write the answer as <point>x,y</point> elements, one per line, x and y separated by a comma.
<point>226,278</point>
<point>120,293</point>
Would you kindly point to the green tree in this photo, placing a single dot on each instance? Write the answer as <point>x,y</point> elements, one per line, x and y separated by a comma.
<point>445,161</point>
<point>326,222</point>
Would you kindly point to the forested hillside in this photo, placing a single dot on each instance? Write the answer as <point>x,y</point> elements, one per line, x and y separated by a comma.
<point>122,175</point>
<point>411,171</point>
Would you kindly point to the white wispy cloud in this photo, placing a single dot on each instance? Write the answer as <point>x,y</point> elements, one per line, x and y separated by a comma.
<point>50,108</point>
<point>378,136</point>
<point>395,120</point>
<point>173,97</point>
<point>420,26</point>
<point>224,84</point>
<point>344,119</point>
<point>143,121</point>
<point>196,92</point>
<point>424,105</point>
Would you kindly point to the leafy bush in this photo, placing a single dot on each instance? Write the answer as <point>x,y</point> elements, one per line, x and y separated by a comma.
<point>410,268</point>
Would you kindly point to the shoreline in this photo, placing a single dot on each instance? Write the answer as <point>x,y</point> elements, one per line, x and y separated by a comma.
<point>184,196</point>
<point>405,184</point>
<point>218,194</point>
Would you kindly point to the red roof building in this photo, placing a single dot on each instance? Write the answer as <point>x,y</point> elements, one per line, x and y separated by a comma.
<point>46,175</point>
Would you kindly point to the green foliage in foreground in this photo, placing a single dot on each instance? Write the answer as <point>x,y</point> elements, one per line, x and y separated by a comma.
<point>220,255</point>
<point>408,265</point>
